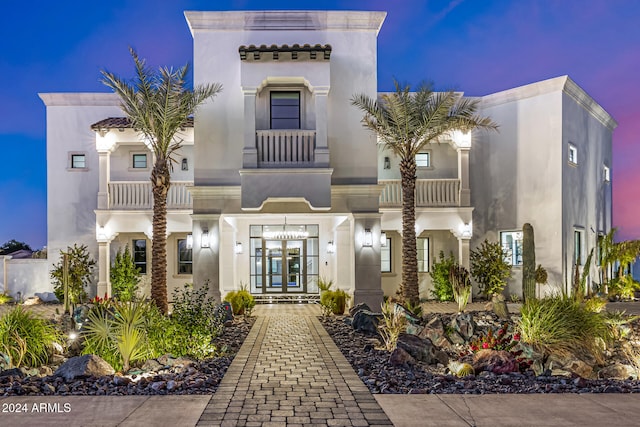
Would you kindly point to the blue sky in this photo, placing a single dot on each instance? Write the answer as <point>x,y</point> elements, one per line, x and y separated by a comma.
<point>477,46</point>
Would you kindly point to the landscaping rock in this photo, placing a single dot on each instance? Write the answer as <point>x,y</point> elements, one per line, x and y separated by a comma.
<point>400,357</point>
<point>433,330</point>
<point>495,361</point>
<point>456,338</point>
<point>32,301</point>
<point>120,381</point>
<point>358,307</point>
<point>413,329</point>
<point>366,321</point>
<point>464,324</point>
<point>618,371</point>
<point>84,366</point>
<point>49,297</point>
<point>13,372</point>
<point>411,318</point>
<point>421,349</point>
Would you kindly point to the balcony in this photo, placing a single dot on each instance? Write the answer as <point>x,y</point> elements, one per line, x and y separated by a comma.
<point>137,195</point>
<point>285,148</point>
<point>429,193</point>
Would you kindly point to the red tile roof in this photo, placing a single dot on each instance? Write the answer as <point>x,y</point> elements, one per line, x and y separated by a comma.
<point>125,123</point>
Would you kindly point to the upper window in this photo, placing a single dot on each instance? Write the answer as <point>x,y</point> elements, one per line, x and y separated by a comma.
<point>607,173</point>
<point>139,161</point>
<point>78,161</point>
<point>511,242</point>
<point>285,110</point>
<point>423,254</point>
<point>423,160</point>
<point>573,154</point>
<point>578,246</point>
<point>185,258</point>
<point>385,256</point>
<point>140,255</point>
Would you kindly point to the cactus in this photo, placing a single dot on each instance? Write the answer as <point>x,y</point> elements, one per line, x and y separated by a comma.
<point>460,369</point>
<point>528,263</point>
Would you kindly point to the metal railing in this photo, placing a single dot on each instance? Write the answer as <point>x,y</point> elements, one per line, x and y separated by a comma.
<point>285,148</point>
<point>137,195</point>
<point>429,193</point>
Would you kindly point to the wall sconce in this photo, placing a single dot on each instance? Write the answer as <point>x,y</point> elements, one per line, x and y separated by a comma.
<point>383,239</point>
<point>185,164</point>
<point>466,231</point>
<point>331,248</point>
<point>387,163</point>
<point>238,248</point>
<point>368,238</point>
<point>189,241</point>
<point>204,243</point>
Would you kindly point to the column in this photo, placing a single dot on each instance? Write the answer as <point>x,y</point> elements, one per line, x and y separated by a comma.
<point>103,179</point>
<point>367,278</point>
<point>249,152</point>
<point>321,154</point>
<point>206,260</point>
<point>104,267</point>
<point>463,176</point>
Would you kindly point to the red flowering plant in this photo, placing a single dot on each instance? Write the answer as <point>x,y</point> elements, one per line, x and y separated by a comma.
<point>101,302</point>
<point>502,340</point>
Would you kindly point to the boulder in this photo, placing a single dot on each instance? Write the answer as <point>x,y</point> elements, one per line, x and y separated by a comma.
<point>618,371</point>
<point>464,324</point>
<point>414,329</point>
<point>400,357</point>
<point>366,321</point>
<point>358,307</point>
<point>421,349</point>
<point>32,301</point>
<point>84,366</point>
<point>442,357</point>
<point>49,297</point>
<point>496,361</point>
<point>456,338</point>
<point>13,372</point>
<point>571,364</point>
<point>434,330</point>
<point>411,318</point>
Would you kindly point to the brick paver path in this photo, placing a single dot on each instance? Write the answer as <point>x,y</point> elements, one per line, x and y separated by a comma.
<point>290,373</point>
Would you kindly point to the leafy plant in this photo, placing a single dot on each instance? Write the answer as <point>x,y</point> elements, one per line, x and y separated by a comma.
<point>541,275</point>
<point>27,339</point>
<point>394,322</point>
<point>563,326</point>
<point>623,286</point>
<point>415,309</point>
<point>489,268</point>
<point>324,284</point>
<point>125,276</point>
<point>439,273</point>
<point>502,340</point>
<point>80,272</point>
<point>461,285</point>
<point>5,298</point>
<point>242,302</point>
<point>595,304</point>
<point>334,302</point>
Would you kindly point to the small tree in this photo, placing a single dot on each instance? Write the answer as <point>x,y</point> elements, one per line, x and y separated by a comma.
<point>439,273</point>
<point>489,268</point>
<point>125,276</point>
<point>80,272</point>
<point>12,246</point>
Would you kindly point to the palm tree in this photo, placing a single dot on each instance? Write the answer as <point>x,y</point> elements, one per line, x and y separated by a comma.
<point>405,122</point>
<point>158,103</point>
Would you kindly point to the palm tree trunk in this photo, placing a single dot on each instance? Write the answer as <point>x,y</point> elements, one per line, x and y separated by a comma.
<point>160,182</point>
<point>410,291</point>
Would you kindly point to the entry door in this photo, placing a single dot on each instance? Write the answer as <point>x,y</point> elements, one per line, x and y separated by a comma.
<point>283,266</point>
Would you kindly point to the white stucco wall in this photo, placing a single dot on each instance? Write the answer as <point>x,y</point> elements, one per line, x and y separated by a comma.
<point>24,276</point>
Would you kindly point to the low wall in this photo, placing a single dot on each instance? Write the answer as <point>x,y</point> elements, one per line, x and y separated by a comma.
<point>27,276</point>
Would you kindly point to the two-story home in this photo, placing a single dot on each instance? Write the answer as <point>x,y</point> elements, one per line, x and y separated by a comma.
<point>279,184</point>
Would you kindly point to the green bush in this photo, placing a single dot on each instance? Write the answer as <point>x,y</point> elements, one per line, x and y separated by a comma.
<point>334,302</point>
<point>125,276</point>
<point>5,298</point>
<point>80,272</point>
<point>442,290</point>
<point>489,268</point>
<point>27,339</point>
<point>561,325</point>
<point>623,287</point>
<point>242,302</point>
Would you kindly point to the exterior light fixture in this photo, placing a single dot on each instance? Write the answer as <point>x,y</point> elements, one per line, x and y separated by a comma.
<point>238,248</point>
<point>204,242</point>
<point>185,164</point>
<point>331,248</point>
<point>387,163</point>
<point>368,238</point>
<point>189,241</point>
<point>383,239</point>
<point>466,230</point>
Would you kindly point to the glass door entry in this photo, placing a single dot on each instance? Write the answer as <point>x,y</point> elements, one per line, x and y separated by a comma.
<point>284,266</point>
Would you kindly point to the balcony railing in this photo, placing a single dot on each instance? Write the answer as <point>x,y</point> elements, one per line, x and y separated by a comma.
<point>137,195</point>
<point>429,193</point>
<point>285,148</point>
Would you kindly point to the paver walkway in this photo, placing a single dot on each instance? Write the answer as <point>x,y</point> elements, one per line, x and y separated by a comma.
<point>290,373</point>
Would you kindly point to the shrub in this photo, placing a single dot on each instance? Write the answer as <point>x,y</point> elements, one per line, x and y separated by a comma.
<point>461,285</point>
<point>502,340</point>
<point>5,298</point>
<point>80,271</point>
<point>439,273</point>
<point>26,339</point>
<point>623,287</point>
<point>242,302</point>
<point>563,326</point>
<point>334,302</point>
<point>541,275</point>
<point>394,322</point>
<point>489,268</point>
<point>125,276</point>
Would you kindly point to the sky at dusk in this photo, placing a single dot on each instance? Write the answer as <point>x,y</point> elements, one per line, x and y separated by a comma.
<point>475,46</point>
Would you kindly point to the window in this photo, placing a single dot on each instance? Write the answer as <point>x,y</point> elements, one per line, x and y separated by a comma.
<point>578,246</point>
<point>140,255</point>
<point>511,242</point>
<point>385,257</point>
<point>285,110</point>
<point>607,174</point>
<point>185,258</point>
<point>423,254</point>
<point>573,154</point>
<point>78,161</point>
<point>423,160</point>
<point>139,161</point>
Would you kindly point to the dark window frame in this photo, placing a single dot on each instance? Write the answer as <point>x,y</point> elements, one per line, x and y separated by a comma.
<point>140,263</point>
<point>185,266</point>
<point>84,161</point>
<point>271,107</point>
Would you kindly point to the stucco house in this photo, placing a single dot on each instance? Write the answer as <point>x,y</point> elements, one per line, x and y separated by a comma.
<point>278,183</point>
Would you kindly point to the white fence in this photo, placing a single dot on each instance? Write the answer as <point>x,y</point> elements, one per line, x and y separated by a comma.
<point>24,277</point>
<point>429,192</point>
<point>132,195</point>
